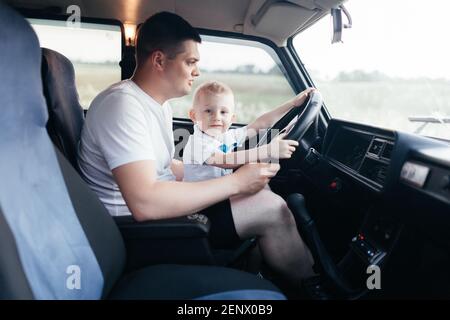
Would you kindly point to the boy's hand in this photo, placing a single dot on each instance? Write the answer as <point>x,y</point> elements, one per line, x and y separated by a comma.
<point>279,148</point>
<point>301,97</point>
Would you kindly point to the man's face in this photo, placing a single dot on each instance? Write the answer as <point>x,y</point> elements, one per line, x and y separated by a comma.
<point>214,113</point>
<point>182,69</point>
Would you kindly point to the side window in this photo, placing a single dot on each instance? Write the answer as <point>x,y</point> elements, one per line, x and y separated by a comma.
<point>251,69</point>
<point>392,68</point>
<point>94,49</point>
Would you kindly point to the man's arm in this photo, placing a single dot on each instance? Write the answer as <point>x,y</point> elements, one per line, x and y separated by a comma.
<point>150,199</point>
<point>268,119</point>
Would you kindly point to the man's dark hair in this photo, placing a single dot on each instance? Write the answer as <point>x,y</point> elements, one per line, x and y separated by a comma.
<point>163,31</point>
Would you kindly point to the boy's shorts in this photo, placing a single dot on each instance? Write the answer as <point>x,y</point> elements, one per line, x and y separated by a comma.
<point>223,234</point>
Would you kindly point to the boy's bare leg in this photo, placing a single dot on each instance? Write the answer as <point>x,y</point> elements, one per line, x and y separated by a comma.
<point>266,215</point>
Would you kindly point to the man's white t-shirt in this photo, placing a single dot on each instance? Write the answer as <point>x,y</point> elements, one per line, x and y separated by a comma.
<point>200,147</point>
<point>124,125</point>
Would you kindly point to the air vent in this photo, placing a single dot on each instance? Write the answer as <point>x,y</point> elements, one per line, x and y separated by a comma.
<point>381,174</point>
<point>376,146</point>
<point>387,152</point>
<point>374,170</point>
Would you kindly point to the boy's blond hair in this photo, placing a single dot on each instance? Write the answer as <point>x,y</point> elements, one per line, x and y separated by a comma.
<point>211,87</point>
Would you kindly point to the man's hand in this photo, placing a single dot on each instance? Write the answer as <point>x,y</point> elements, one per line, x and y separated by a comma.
<point>252,177</point>
<point>301,97</point>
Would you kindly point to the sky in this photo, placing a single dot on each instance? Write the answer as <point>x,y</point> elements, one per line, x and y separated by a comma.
<point>401,38</point>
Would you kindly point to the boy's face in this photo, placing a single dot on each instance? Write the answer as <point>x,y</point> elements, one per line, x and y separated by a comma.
<point>213,113</point>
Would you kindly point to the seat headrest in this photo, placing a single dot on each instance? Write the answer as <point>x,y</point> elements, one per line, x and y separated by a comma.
<point>65,112</point>
<point>58,76</point>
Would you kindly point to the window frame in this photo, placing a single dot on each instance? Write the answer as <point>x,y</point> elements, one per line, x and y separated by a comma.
<point>324,114</point>
<point>38,14</point>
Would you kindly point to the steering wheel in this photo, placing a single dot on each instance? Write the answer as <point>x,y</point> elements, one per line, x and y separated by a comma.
<point>297,121</point>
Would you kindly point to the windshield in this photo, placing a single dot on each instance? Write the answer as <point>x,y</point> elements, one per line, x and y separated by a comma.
<point>392,69</point>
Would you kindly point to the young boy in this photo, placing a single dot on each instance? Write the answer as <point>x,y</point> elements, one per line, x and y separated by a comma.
<point>209,151</point>
<point>209,154</point>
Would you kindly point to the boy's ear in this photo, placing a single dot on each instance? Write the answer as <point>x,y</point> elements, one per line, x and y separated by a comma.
<point>192,114</point>
<point>233,118</point>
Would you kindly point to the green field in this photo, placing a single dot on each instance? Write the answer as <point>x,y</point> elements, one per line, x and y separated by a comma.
<point>381,103</point>
<point>389,104</point>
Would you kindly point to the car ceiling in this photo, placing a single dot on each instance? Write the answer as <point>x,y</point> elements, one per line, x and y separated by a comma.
<point>273,19</point>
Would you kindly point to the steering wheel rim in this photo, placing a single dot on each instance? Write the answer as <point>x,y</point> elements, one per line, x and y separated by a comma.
<point>306,115</point>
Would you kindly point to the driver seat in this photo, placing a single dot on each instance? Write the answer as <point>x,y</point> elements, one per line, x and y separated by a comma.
<point>41,194</point>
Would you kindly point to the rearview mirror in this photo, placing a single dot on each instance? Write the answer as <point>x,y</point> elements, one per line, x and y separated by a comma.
<point>336,13</point>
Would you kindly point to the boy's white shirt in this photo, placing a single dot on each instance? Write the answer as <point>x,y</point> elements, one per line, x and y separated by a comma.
<point>200,147</point>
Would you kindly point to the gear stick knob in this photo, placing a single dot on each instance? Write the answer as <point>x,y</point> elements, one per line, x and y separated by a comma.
<point>296,202</point>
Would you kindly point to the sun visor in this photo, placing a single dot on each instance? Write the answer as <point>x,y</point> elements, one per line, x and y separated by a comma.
<point>282,19</point>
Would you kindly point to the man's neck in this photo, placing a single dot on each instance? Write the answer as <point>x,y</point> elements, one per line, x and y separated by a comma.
<point>150,87</point>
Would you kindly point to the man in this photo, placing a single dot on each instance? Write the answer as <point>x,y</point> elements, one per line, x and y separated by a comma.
<point>127,148</point>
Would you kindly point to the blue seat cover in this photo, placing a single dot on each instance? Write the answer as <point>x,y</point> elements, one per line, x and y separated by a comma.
<point>33,195</point>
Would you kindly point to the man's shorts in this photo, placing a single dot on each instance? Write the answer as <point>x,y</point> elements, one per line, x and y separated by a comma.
<point>222,234</point>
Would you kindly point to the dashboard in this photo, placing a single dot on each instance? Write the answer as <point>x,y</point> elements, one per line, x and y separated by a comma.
<point>380,158</point>
<point>403,175</point>
<point>388,194</point>
<point>364,153</point>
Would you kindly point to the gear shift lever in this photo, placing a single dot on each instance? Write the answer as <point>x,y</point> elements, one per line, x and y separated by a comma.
<point>308,231</point>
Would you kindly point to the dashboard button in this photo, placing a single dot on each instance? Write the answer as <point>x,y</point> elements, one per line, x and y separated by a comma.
<point>335,185</point>
<point>414,174</point>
